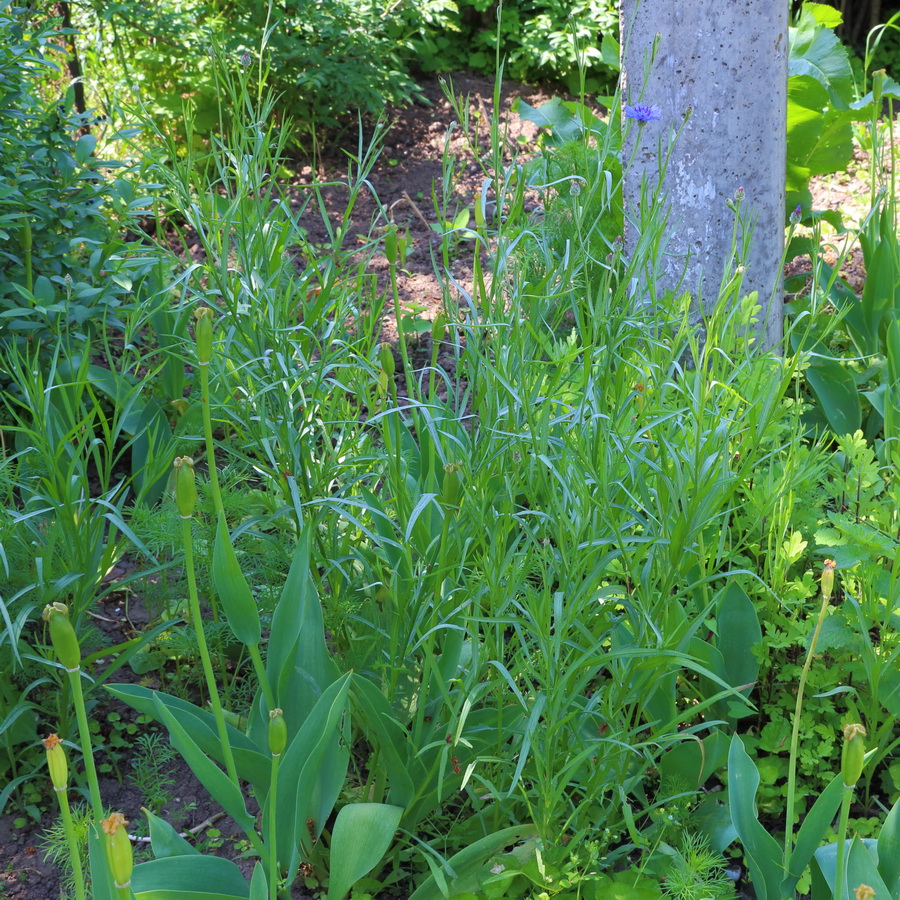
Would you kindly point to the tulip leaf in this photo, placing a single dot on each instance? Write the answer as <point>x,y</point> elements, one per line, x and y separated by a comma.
<point>361,836</point>
<point>232,589</point>
<point>189,878</point>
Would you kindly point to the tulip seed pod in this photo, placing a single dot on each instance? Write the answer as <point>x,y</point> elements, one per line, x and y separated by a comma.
<point>277,732</point>
<point>62,635</point>
<point>56,762</point>
<point>185,486</point>
<point>828,578</point>
<point>118,849</point>
<point>203,332</point>
<point>452,483</point>
<point>386,358</point>
<point>390,245</point>
<point>438,327</point>
<point>853,754</point>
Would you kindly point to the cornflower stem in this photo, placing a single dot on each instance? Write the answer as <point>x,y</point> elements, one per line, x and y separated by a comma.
<point>87,750</point>
<point>843,822</point>
<point>74,851</point>
<point>273,823</point>
<point>214,700</point>
<point>795,735</point>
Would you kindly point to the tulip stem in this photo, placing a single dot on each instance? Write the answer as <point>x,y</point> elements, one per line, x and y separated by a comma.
<point>74,850</point>
<point>87,750</point>
<point>843,822</point>
<point>214,700</point>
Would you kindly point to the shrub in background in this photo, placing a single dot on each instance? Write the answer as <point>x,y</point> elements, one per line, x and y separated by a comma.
<point>61,211</point>
<point>541,40</point>
<point>327,58</point>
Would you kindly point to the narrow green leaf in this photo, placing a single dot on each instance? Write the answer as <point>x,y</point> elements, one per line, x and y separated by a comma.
<point>221,788</point>
<point>463,868</point>
<point>362,834</point>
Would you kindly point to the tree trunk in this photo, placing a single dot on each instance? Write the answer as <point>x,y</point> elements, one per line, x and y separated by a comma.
<point>727,64</point>
<point>73,63</point>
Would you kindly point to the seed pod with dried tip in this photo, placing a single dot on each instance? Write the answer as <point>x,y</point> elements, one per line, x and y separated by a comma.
<point>62,635</point>
<point>853,754</point>
<point>118,849</point>
<point>56,762</point>
<point>828,578</point>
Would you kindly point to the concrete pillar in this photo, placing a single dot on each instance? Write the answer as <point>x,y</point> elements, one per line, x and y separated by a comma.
<point>728,63</point>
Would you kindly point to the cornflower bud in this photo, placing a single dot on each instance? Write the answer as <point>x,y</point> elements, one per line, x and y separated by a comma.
<point>853,754</point>
<point>203,333</point>
<point>62,635</point>
<point>796,215</point>
<point>56,762</point>
<point>277,732</point>
<point>828,578</point>
<point>185,486</point>
<point>118,849</point>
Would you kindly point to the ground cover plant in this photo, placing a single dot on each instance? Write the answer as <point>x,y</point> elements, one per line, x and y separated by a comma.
<point>544,596</point>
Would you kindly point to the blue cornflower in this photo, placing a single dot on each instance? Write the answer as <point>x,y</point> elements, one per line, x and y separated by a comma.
<point>643,112</point>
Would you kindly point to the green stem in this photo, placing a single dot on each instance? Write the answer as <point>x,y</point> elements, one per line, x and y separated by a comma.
<point>208,435</point>
<point>214,700</point>
<point>795,738</point>
<point>839,873</point>
<point>261,676</point>
<point>273,848</point>
<point>401,336</point>
<point>87,749</point>
<point>74,850</point>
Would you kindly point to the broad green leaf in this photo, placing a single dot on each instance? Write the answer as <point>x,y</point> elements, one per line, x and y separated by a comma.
<point>862,868</point>
<point>814,828</point>
<point>762,852</point>
<point>824,14</point>
<point>738,633</point>
<point>259,885</point>
<point>165,841</point>
<point>836,391</point>
<point>403,768</point>
<point>102,885</point>
<point>463,869</point>
<point>815,50</point>
<point>302,768</point>
<point>252,765</point>
<point>221,788</point>
<point>889,850</point>
<point>84,147</point>
<point>362,834</point>
<point>189,878</point>
<point>297,660</point>
<point>232,589</point>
